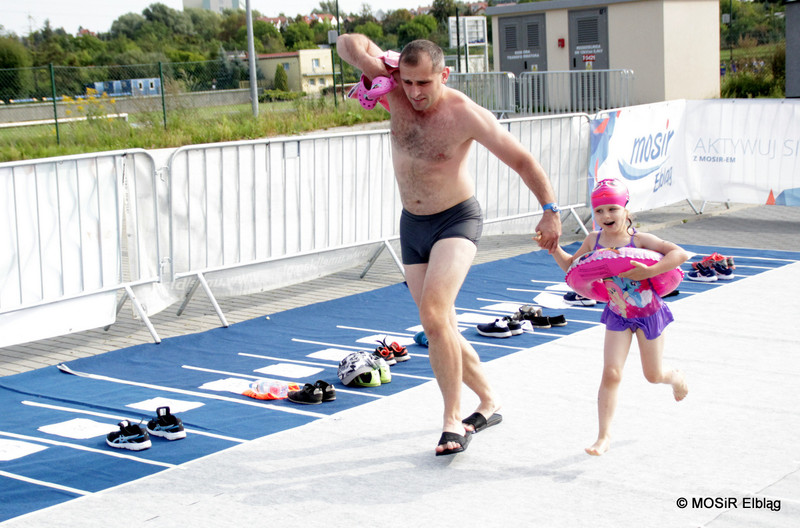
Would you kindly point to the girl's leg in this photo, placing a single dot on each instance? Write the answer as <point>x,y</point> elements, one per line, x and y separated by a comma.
<point>651,351</point>
<point>615,352</point>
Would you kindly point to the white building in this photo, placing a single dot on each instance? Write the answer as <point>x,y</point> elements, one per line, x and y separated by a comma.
<point>671,45</point>
<point>214,5</point>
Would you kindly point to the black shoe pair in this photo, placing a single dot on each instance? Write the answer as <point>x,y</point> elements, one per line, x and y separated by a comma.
<point>314,394</point>
<point>537,319</point>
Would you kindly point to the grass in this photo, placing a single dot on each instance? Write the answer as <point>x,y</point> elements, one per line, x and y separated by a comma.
<point>185,126</point>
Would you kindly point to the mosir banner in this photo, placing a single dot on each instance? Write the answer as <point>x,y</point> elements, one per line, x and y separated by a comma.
<point>745,151</point>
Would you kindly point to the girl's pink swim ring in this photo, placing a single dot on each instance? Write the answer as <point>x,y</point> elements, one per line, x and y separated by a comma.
<point>586,274</point>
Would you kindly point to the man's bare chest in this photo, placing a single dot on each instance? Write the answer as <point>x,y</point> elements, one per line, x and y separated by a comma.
<point>432,140</point>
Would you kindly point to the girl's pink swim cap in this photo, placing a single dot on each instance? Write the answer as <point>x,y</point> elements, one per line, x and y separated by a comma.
<point>608,192</point>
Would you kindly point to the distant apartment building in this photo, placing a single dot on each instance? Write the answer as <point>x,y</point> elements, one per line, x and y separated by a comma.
<point>214,5</point>
<point>307,70</point>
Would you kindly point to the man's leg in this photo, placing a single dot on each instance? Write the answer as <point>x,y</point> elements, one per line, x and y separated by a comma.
<point>434,287</point>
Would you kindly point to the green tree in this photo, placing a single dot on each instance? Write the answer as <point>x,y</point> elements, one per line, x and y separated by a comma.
<point>281,81</point>
<point>326,7</point>
<point>441,9</point>
<point>373,30</point>
<point>207,24</point>
<point>298,35</point>
<point>127,25</point>
<point>412,31</point>
<point>395,19</point>
<point>15,83</point>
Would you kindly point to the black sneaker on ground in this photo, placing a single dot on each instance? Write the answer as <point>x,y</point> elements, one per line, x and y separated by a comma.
<point>534,315</point>
<point>328,392</point>
<point>130,436</point>
<point>514,325</point>
<point>499,328</point>
<point>166,425</point>
<point>574,299</point>
<point>308,395</point>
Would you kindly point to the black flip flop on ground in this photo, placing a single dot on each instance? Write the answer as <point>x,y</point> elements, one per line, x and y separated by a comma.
<point>479,421</point>
<point>454,437</point>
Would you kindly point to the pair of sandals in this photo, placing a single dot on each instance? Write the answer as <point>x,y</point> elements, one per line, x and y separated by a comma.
<point>478,422</point>
<point>534,314</point>
<point>371,92</point>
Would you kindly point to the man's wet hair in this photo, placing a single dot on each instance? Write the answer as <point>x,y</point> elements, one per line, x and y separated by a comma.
<point>413,51</point>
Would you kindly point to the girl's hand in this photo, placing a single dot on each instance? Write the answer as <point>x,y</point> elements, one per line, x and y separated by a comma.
<point>638,273</point>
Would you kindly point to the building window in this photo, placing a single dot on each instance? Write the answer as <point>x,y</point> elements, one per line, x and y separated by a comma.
<point>322,81</point>
<point>286,66</point>
<point>311,82</point>
<point>315,63</point>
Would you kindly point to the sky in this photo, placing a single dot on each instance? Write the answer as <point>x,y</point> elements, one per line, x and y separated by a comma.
<point>21,17</point>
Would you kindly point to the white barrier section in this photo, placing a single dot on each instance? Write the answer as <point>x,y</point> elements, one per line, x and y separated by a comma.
<point>60,245</point>
<point>321,200</point>
<point>251,216</point>
<point>560,144</point>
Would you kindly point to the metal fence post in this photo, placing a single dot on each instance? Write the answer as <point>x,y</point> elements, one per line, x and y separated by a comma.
<point>163,89</point>
<point>55,106</point>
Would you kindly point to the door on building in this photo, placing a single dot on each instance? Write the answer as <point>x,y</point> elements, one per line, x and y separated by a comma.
<point>588,37</point>
<point>522,45</point>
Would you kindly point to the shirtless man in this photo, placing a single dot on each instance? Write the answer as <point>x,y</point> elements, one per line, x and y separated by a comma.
<point>432,129</point>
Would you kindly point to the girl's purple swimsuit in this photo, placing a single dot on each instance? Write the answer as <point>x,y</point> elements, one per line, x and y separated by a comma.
<point>634,304</point>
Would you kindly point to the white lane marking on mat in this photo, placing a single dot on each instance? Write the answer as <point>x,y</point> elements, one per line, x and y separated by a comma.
<point>38,482</point>
<point>13,449</point>
<point>79,428</point>
<point>79,447</point>
<point>118,418</point>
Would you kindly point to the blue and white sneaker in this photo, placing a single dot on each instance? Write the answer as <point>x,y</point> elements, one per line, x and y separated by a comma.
<point>166,425</point>
<point>130,436</point>
<point>723,271</point>
<point>574,299</point>
<point>702,273</point>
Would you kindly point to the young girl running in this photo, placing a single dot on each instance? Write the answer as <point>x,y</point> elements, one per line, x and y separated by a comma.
<point>609,199</point>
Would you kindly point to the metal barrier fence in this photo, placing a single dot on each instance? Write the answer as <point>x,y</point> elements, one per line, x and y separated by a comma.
<point>80,235</point>
<point>558,92</point>
<point>61,243</point>
<point>240,211</point>
<point>493,91</point>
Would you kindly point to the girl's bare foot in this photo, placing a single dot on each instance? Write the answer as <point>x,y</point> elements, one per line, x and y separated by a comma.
<point>679,386</point>
<point>599,447</point>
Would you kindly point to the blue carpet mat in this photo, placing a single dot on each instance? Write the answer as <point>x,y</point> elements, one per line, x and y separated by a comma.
<point>44,462</point>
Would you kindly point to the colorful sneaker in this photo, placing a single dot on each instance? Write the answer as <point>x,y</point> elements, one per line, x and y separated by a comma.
<point>308,395</point>
<point>499,328</point>
<point>702,274</point>
<point>385,354</point>
<point>400,352</point>
<point>421,339</point>
<point>574,299</point>
<point>328,391</point>
<point>130,436</point>
<point>166,425</point>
